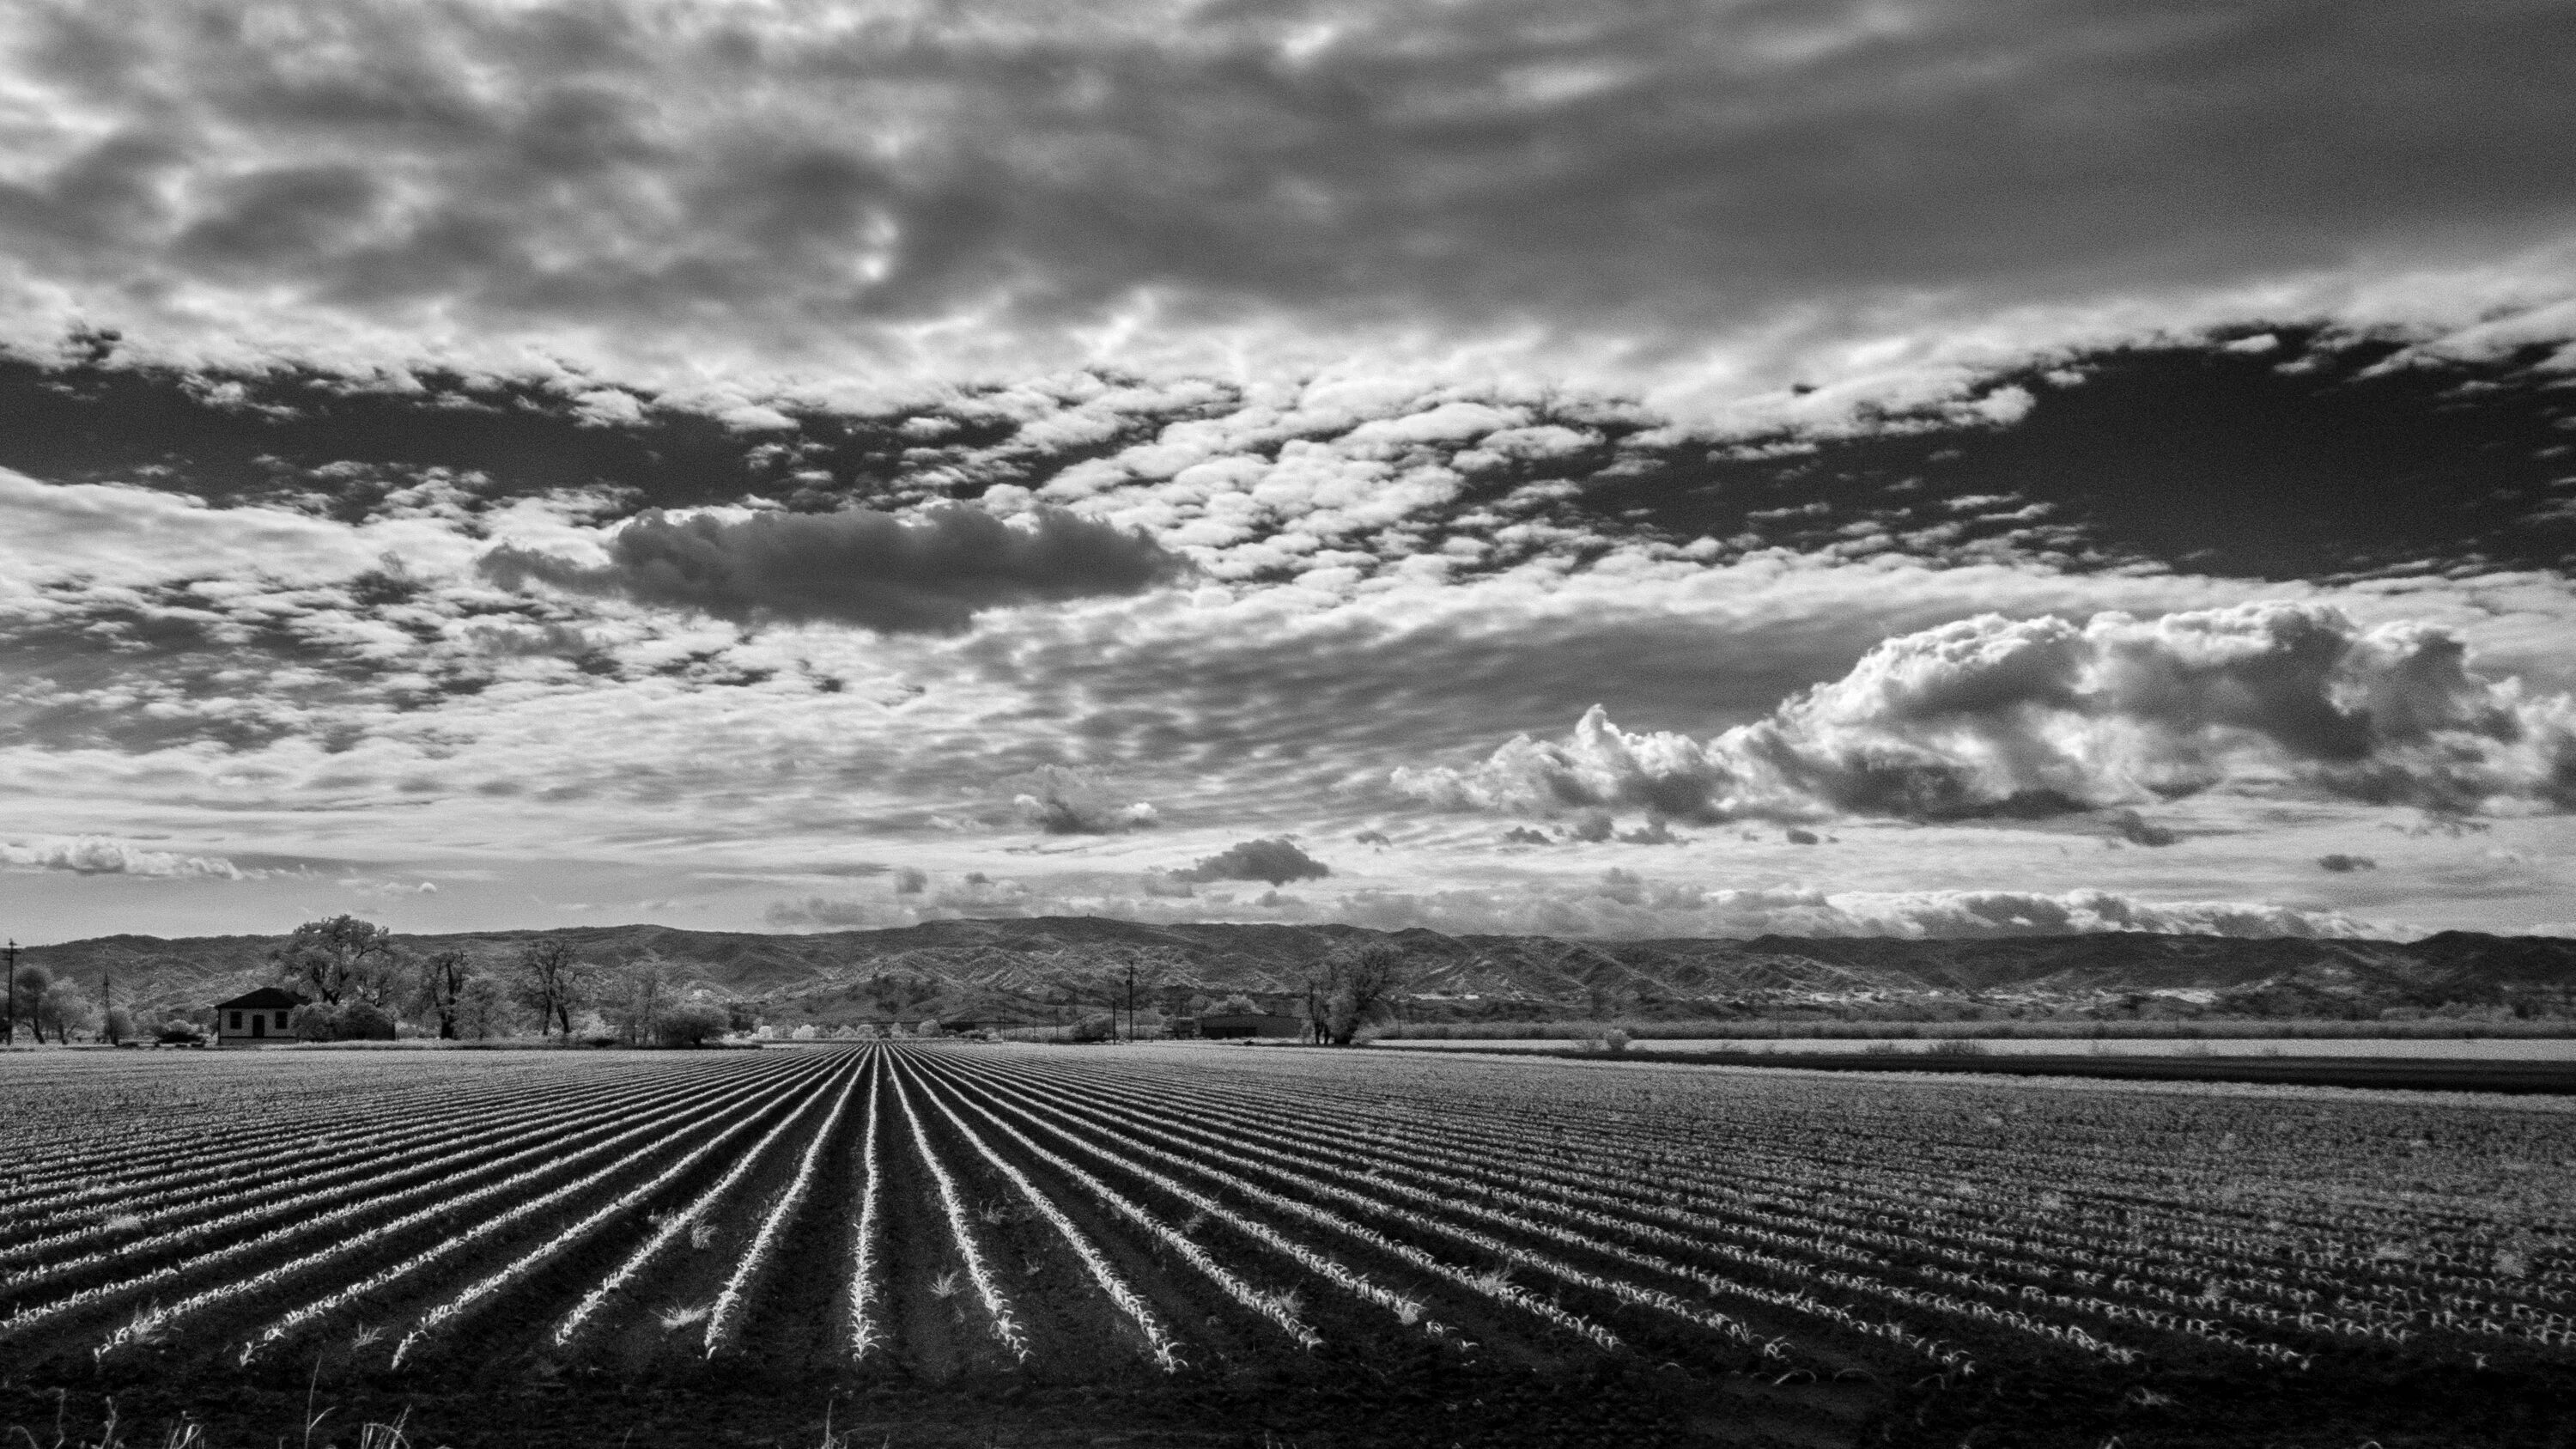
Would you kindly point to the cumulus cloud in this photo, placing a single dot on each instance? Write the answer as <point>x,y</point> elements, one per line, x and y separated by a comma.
<point>100,855</point>
<point>910,882</point>
<point>1275,861</point>
<point>827,913</point>
<point>1623,904</point>
<point>1523,835</point>
<point>1991,717</point>
<point>926,574</point>
<point>1068,802</point>
<point>1796,836</point>
<point>2342,864</point>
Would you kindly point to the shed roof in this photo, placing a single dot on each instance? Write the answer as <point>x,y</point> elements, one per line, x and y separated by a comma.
<point>263,999</point>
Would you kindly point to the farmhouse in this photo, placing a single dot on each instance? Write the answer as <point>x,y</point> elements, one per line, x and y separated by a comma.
<point>258,1016</point>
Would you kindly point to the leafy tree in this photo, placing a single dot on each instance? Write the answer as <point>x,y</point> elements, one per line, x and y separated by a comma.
<point>484,1009</point>
<point>341,958</point>
<point>27,1007</point>
<point>438,986</point>
<point>553,983</point>
<point>348,1021</point>
<point>120,1024</point>
<point>1344,987</point>
<point>65,1008</point>
<point>929,1027</point>
<point>1238,1005</point>
<point>693,1024</point>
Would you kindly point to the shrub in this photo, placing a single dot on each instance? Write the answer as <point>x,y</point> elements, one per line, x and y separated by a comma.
<point>175,1032</point>
<point>929,1027</point>
<point>693,1025</point>
<point>349,1021</point>
<point>1956,1046</point>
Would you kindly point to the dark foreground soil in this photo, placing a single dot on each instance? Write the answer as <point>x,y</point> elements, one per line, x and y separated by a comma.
<point>1318,1402</point>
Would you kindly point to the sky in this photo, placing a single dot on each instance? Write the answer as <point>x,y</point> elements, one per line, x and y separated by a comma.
<point>1911,467</point>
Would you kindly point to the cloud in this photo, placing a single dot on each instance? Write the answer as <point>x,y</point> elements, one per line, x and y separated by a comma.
<point>829,914</point>
<point>927,574</point>
<point>1068,802</point>
<point>100,855</point>
<point>2342,864</point>
<point>1796,836</point>
<point>1523,835</point>
<point>1377,838</point>
<point>910,882</point>
<point>693,194</point>
<point>2136,829</point>
<point>1275,861</point>
<point>1625,905</point>
<point>1991,717</point>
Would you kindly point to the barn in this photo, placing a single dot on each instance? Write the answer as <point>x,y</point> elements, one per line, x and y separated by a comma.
<point>259,1016</point>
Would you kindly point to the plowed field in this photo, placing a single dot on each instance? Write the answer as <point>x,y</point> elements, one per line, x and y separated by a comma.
<point>1204,1244</point>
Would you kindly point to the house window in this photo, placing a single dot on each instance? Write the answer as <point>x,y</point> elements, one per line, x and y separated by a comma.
<point>236,1021</point>
<point>281,1021</point>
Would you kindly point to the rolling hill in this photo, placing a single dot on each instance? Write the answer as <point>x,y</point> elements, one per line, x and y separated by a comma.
<point>1035,970</point>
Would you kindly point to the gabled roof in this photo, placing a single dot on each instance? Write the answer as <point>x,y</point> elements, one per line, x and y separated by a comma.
<point>265,998</point>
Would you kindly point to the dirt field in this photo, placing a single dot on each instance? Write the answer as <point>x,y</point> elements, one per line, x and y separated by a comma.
<point>1211,1245</point>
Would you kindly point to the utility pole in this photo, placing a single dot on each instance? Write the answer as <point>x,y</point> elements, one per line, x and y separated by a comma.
<point>106,1003</point>
<point>10,1038</point>
<point>1131,1001</point>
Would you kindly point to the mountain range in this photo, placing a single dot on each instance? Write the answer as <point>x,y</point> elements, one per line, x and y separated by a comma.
<point>1034,970</point>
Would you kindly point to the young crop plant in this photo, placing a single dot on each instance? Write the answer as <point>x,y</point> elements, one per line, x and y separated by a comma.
<point>724,1319</point>
<point>997,1308</point>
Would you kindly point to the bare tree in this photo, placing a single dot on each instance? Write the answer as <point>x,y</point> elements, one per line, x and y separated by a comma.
<point>440,985</point>
<point>641,999</point>
<point>341,958</point>
<point>553,982</point>
<point>1347,985</point>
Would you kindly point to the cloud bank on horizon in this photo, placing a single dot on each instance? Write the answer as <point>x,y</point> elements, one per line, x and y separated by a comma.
<point>2002,469</point>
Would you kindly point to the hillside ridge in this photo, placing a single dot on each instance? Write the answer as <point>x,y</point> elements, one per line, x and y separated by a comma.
<point>1038,968</point>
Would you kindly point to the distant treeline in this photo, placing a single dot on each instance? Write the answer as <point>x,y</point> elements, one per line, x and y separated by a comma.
<point>2220,1029</point>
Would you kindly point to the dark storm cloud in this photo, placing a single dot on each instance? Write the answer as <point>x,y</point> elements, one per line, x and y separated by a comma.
<point>2342,864</point>
<point>1551,160</point>
<point>929,574</point>
<point>1989,718</point>
<point>1275,861</point>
